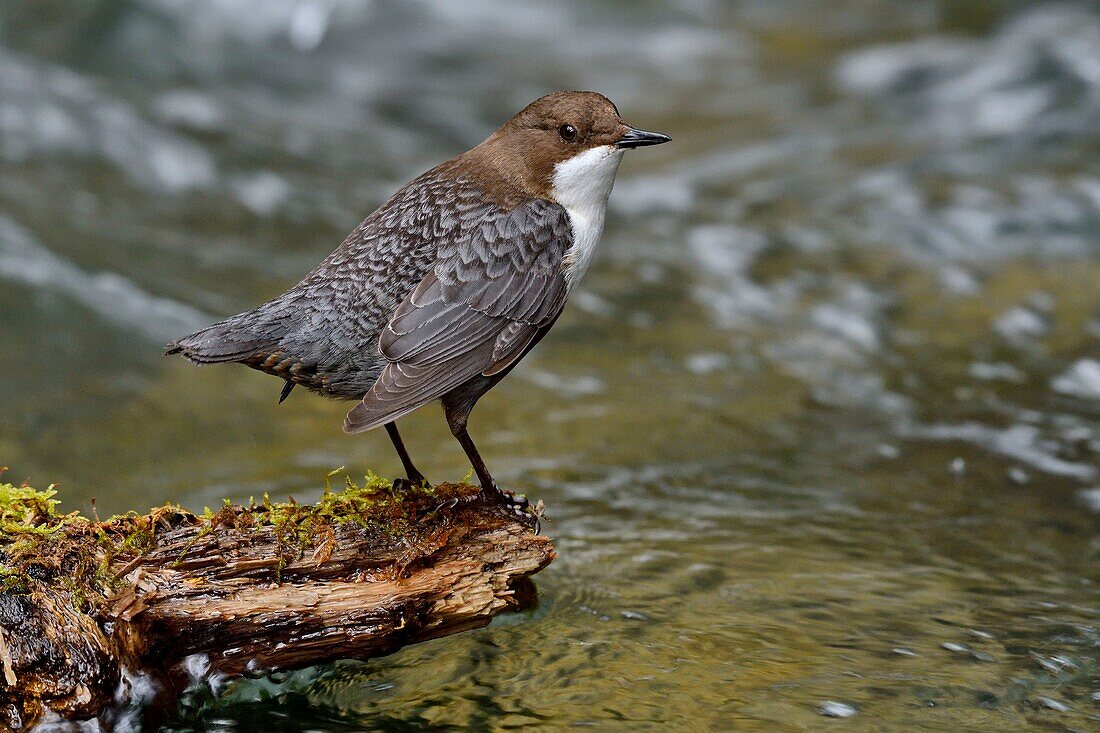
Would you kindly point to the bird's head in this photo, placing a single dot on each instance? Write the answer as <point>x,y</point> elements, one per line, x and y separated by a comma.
<point>565,146</point>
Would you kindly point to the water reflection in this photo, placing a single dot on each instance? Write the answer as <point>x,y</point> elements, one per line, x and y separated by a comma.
<point>819,435</point>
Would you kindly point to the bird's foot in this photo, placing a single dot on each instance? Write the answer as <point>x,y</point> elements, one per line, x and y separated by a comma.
<point>415,481</point>
<point>518,506</point>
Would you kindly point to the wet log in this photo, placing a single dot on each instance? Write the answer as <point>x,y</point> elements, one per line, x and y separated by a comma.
<point>86,607</point>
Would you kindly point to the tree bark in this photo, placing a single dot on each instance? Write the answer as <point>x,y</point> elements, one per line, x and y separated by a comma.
<point>250,589</point>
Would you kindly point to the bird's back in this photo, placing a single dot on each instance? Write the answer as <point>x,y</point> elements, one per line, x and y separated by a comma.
<point>323,332</point>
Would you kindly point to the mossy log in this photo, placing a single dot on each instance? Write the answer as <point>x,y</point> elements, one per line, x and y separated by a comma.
<point>85,606</point>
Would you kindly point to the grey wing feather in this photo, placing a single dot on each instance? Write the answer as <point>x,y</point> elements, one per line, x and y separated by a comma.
<point>423,332</point>
<point>409,386</point>
<point>486,299</point>
<point>510,344</point>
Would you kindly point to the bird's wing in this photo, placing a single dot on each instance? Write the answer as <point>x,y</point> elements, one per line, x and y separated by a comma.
<point>475,313</point>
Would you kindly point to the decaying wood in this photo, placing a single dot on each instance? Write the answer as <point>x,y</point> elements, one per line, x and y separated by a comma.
<point>249,594</point>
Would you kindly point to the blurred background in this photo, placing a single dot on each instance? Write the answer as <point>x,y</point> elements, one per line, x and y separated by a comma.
<point>819,434</point>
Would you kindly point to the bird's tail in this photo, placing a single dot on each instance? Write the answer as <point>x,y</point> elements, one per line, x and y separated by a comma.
<point>235,339</point>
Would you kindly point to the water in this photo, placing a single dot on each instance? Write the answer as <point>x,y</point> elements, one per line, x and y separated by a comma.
<point>819,436</point>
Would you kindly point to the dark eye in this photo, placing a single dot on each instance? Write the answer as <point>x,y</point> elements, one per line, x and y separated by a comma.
<point>568,133</point>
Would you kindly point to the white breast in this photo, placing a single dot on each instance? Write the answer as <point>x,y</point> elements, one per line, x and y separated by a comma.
<point>582,185</point>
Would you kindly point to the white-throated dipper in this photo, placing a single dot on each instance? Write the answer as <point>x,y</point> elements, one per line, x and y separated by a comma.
<point>446,286</point>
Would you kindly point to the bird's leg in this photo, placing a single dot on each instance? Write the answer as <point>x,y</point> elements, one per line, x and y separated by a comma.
<point>413,476</point>
<point>519,506</point>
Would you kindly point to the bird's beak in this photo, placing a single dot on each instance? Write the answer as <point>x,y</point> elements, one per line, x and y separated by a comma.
<point>640,138</point>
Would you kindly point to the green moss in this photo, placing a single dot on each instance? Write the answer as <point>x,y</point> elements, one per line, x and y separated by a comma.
<point>40,544</point>
<point>300,528</point>
<point>23,509</point>
<point>12,580</point>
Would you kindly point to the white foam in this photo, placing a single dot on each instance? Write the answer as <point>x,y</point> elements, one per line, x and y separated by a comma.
<point>1090,498</point>
<point>49,111</point>
<point>108,294</point>
<point>263,193</point>
<point>1081,380</point>
<point>1019,442</point>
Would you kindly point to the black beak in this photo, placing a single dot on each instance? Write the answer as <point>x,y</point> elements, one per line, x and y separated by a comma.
<point>640,138</point>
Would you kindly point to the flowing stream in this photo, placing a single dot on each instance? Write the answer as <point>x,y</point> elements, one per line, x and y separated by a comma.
<point>819,435</point>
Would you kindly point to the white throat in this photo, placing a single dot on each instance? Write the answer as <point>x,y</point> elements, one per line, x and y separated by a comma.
<point>582,185</point>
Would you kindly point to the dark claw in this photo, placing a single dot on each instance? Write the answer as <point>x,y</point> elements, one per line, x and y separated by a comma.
<point>517,502</point>
<point>518,506</point>
<point>406,484</point>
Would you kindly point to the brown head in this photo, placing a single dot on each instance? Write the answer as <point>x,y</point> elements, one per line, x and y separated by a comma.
<point>538,148</point>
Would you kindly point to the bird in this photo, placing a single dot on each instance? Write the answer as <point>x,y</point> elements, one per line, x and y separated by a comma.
<point>446,286</point>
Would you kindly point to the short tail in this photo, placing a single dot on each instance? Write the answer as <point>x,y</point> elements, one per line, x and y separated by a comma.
<point>227,341</point>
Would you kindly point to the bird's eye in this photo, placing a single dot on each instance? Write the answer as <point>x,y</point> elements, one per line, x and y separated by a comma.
<point>568,133</point>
